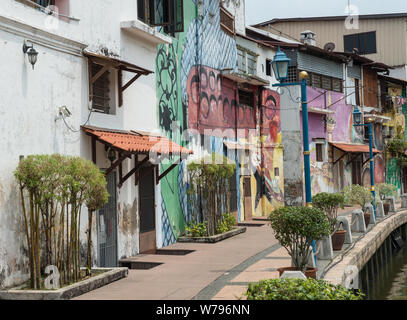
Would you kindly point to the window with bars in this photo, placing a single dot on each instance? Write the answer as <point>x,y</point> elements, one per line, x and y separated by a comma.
<point>168,14</point>
<point>324,82</point>
<point>103,98</point>
<point>292,74</point>
<point>61,7</point>
<point>227,22</point>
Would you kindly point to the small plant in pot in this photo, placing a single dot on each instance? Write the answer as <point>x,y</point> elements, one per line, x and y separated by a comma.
<point>295,228</point>
<point>330,203</point>
<point>359,195</point>
<point>386,190</point>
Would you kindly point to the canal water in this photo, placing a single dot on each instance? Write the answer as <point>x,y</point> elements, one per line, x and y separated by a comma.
<point>390,282</point>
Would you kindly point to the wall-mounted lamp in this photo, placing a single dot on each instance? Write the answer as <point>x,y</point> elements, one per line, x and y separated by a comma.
<point>111,155</point>
<point>31,52</point>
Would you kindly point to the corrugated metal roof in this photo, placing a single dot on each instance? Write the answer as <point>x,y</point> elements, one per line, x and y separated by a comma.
<point>332,18</point>
<point>353,148</point>
<point>136,142</point>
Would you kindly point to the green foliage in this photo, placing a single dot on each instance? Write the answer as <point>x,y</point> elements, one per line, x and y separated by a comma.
<point>329,203</point>
<point>356,194</point>
<point>53,189</point>
<point>226,224</point>
<point>296,227</point>
<point>299,289</point>
<point>386,190</point>
<point>209,188</point>
<point>197,229</point>
<point>396,147</point>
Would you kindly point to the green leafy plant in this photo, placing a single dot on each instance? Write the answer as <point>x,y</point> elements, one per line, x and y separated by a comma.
<point>209,190</point>
<point>296,227</point>
<point>197,229</point>
<point>226,224</point>
<point>386,190</point>
<point>359,195</point>
<point>299,289</point>
<point>396,147</point>
<point>53,190</point>
<point>329,203</point>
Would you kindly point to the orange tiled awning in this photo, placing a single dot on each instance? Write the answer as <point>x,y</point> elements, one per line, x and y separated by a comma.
<point>353,148</point>
<point>136,142</point>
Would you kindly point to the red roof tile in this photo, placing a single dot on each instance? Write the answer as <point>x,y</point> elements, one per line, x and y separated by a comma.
<point>136,142</point>
<point>354,148</point>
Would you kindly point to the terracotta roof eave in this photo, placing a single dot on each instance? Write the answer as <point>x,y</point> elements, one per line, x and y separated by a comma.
<point>134,142</point>
<point>353,148</point>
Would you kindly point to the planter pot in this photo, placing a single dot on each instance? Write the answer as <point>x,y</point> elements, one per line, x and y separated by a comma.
<point>386,207</point>
<point>338,239</point>
<point>367,218</point>
<point>309,273</point>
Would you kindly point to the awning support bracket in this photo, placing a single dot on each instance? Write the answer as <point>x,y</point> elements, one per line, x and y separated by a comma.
<point>176,163</point>
<point>133,171</point>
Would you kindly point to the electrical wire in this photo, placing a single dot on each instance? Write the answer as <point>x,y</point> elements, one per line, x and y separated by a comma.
<point>70,128</point>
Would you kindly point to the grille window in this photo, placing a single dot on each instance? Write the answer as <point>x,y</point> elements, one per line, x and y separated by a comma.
<point>101,98</point>
<point>227,22</point>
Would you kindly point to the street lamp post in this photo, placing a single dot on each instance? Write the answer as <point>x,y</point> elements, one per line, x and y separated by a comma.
<point>280,66</point>
<point>357,119</point>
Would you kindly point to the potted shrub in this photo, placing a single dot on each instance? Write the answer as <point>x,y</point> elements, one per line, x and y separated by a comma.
<point>386,190</point>
<point>300,289</point>
<point>330,203</point>
<point>359,195</point>
<point>295,228</point>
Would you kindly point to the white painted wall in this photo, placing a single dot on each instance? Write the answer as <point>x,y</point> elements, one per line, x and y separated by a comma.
<point>30,100</point>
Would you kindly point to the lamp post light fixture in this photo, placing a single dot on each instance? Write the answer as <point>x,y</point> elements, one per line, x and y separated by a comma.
<point>280,67</point>
<point>357,122</point>
<point>31,52</point>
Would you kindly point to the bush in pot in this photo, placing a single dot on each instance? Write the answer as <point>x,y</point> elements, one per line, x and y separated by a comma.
<point>330,203</point>
<point>295,228</point>
<point>359,195</point>
<point>299,289</point>
<point>386,190</point>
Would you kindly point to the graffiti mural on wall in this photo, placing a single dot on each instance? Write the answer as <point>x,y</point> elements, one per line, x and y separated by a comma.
<point>270,182</point>
<point>192,92</point>
<point>213,103</point>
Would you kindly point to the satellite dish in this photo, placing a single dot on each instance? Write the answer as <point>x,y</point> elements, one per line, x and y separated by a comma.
<point>330,46</point>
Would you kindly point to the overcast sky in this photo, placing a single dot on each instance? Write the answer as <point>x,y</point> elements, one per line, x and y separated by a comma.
<point>262,10</point>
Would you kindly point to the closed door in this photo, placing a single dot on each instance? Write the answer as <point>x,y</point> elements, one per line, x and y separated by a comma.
<point>107,226</point>
<point>247,193</point>
<point>357,172</point>
<point>147,210</point>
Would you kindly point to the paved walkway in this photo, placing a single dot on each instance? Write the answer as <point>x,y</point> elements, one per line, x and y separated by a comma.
<point>184,277</point>
<point>219,271</point>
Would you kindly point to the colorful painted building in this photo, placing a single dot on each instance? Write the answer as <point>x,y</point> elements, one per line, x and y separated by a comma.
<point>214,95</point>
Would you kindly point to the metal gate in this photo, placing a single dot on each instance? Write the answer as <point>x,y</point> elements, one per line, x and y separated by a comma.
<point>107,226</point>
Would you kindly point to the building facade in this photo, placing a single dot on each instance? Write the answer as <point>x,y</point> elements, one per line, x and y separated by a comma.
<point>368,34</point>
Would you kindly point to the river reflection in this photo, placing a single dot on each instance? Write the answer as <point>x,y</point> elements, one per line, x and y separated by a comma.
<point>391,282</point>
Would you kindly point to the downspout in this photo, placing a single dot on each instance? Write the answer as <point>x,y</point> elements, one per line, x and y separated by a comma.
<point>261,115</point>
